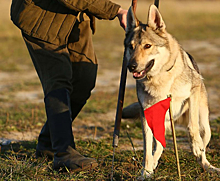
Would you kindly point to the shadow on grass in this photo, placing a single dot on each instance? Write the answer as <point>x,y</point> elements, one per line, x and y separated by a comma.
<point>26,148</point>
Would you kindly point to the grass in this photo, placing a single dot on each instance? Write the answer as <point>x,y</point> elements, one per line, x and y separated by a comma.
<point>22,118</point>
<point>18,163</point>
<point>18,160</point>
<point>197,21</point>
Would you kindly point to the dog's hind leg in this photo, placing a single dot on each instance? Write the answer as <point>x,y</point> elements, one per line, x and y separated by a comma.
<point>157,152</point>
<point>205,130</point>
<point>204,127</point>
<point>197,143</point>
<point>148,141</point>
<point>132,111</point>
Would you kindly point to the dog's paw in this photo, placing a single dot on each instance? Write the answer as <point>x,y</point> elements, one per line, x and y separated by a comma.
<point>146,174</point>
<point>155,165</point>
<point>213,169</point>
<point>141,178</point>
<point>198,149</point>
<point>145,177</point>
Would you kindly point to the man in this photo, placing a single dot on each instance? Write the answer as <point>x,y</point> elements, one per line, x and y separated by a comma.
<point>58,37</point>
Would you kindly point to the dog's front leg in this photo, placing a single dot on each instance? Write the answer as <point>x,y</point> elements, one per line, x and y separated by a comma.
<point>148,162</point>
<point>158,150</point>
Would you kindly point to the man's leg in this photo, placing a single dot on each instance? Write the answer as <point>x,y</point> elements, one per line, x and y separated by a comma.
<point>54,70</point>
<point>44,146</point>
<point>53,66</point>
<point>84,63</point>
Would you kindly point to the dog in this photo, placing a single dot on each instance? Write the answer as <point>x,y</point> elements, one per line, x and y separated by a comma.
<point>161,67</point>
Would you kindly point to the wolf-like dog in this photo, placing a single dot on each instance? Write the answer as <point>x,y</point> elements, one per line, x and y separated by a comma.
<point>161,67</point>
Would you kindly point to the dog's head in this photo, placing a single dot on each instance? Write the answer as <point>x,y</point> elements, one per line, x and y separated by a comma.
<point>146,45</point>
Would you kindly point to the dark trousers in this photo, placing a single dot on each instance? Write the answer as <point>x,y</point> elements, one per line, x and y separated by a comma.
<point>72,67</point>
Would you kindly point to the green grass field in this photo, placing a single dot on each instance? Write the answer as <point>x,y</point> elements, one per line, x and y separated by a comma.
<point>195,24</point>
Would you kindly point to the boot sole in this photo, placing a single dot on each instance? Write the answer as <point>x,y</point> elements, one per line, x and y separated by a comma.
<point>45,153</point>
<point>78,169</point>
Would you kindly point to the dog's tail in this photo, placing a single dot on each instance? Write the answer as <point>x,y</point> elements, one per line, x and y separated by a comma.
<point>132,111</point>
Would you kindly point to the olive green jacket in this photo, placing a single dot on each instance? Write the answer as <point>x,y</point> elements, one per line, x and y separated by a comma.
<point>52,20</point>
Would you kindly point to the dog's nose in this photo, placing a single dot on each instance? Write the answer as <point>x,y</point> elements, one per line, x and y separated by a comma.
<point>132,66</point>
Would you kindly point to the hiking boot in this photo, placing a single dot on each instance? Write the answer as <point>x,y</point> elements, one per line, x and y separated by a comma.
<point>73,160</point>
<point>44,146</point>
<point>44,153</point>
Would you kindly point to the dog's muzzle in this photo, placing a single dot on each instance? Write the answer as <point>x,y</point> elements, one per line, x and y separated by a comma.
<point>140,74</point>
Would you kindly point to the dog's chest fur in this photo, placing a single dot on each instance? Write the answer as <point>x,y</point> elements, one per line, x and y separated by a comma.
<point>177,82</point>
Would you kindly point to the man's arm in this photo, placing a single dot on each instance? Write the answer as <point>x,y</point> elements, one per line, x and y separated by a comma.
<point>101,9</point>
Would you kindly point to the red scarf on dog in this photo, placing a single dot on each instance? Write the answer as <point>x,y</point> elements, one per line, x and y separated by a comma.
<point>155,116</point>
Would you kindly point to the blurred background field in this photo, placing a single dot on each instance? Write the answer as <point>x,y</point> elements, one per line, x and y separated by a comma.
<point>195,24</point>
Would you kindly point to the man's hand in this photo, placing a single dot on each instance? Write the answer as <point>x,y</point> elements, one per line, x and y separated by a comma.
<point>122,17</point>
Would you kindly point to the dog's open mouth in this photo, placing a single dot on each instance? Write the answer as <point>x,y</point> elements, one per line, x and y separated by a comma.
<point>142,74</point>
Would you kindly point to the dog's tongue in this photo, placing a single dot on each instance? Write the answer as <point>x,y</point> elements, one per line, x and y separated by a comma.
<point>138,74</point>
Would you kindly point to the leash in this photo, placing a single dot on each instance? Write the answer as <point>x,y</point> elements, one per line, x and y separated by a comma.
<point>156,3</point>
<point>121,92</point>
<point>121,96</point>
<point>120,101</point>
<point>119,109</point>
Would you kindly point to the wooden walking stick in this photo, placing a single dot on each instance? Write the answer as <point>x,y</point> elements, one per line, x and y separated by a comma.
<point>174,139</point>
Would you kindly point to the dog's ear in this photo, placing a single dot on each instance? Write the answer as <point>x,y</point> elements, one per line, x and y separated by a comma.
<point>132,21</point>
<point>155,20</point>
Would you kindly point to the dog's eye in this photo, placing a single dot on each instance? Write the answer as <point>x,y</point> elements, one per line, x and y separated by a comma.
<point>147,46</point>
